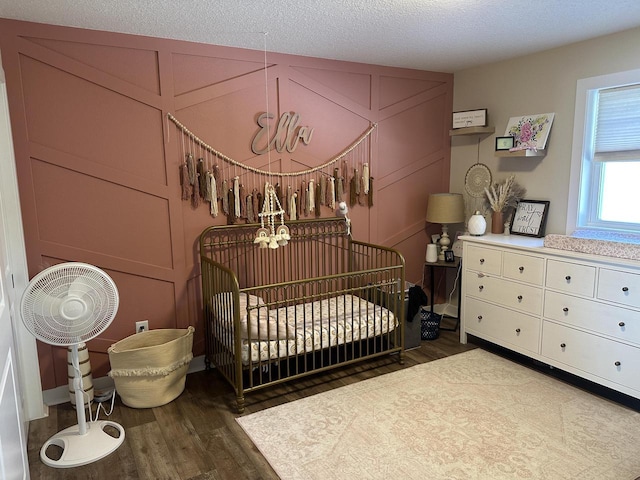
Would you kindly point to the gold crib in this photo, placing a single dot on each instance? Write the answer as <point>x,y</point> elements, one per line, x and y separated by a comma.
<point>322,301</point>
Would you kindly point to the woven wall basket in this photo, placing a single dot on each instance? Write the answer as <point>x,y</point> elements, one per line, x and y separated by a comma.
<point>149,368</point>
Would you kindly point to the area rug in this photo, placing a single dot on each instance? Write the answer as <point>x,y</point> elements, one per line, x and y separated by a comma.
<point>473,415</point>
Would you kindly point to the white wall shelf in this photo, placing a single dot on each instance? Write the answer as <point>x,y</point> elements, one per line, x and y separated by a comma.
<point>521,153</point>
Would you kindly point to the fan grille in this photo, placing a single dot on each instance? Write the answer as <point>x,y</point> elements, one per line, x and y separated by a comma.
<point>69,303</point>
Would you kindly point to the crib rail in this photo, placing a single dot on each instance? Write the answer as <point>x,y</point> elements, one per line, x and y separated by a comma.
<point>320,263</point>
<point>317,247</point>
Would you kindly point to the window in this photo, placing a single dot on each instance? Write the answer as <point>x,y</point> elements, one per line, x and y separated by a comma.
<point>605,171</point>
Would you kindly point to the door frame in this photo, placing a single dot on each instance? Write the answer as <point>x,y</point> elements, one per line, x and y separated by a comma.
<point>26,350</point>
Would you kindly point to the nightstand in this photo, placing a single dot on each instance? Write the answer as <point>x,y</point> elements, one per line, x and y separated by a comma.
<point>442,264</point>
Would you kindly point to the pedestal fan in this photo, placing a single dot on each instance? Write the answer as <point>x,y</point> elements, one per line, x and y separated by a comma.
<point>65,305</point>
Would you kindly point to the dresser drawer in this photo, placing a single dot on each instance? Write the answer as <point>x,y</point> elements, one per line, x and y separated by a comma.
<point>507,293</point>
<point>619,287</point>
<point>501,325</point>
<point>600,318</point>
<point>599,356</point>
<point>483,260</point>
<point>524,268</point>
<point>571,277</point>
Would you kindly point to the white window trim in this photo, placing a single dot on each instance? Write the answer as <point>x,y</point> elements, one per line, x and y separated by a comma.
<point>582,126</point>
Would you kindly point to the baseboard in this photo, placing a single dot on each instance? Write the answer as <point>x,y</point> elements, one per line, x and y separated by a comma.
<point>59,395</point>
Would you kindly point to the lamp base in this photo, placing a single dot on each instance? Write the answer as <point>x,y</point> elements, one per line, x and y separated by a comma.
<point>445,241</point>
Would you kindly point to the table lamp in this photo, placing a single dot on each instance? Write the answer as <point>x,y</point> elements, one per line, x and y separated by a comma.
<point>445,208</point>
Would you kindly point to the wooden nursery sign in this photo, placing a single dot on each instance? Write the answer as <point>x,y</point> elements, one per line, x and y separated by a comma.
<point>286,136</point>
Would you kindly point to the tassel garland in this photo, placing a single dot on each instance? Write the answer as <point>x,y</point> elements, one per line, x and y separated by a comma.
<point>332,193</point>
<point>312,196</point>
<point>293,215</point>
<point>225,197</point>
<point>353,191</point>
<point>318,200</point>
<point>255,203</point>
<point>303,193</point>
<point>249,209</point>
<point>340,190</point>
<point>303,198</point>
<point>192,169</point>
<point>195,197</point>
<point>186,186</point>
<point>323,191</point>
<point>231,218</point>
<point>236,197</point>
<point>365,178</point>
<point>243,204</point>
<point>202,179</point>
<point>216,175</point>
<point>214,195</point>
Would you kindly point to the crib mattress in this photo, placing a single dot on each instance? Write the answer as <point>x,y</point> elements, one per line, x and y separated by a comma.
<point>322,324</point>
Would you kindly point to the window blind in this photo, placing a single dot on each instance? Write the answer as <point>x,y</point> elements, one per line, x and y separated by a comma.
<point>617,135</point>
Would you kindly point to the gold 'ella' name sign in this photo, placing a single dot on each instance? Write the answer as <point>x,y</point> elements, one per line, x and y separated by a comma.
<point>286,136</point>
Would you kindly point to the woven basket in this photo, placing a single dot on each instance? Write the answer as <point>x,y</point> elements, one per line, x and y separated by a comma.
<point>149,368</point>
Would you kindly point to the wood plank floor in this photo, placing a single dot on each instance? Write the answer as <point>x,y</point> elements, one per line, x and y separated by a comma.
<point>196,437</point>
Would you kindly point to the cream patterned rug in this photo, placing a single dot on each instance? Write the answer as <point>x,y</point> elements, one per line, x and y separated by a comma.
<point>469,416</point>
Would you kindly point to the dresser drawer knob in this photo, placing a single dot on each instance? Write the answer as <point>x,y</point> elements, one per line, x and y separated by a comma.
<point>568,278</point>
<point>562,345</point>
<point>625,289</point>
<point>517,330</point>
<point>481,261</point>
<point>519,298</point>
<point>617,364</point>
<point>565,309</point>
<point>621,324</point>
<point>481,287</point>
<point>521,269</point>
<point>479,317</point>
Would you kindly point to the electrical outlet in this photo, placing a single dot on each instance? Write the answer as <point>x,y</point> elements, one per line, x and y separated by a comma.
<point>142,326</point>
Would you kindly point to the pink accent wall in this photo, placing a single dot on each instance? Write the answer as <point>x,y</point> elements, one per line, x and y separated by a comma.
<point>98,162</point>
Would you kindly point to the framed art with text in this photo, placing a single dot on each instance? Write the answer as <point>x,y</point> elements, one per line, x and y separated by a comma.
<point>470,118</point>
<point>530,218</point>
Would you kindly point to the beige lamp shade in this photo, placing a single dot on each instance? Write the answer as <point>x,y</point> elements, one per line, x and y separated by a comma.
<point>445,208</point>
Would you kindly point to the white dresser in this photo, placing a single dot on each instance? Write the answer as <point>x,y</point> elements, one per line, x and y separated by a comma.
<point>574,311</point>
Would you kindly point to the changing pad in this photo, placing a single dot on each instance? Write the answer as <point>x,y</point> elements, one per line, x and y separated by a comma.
<point>597,242</point>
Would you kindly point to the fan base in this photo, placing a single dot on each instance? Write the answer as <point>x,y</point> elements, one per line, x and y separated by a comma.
<point>83,449</point>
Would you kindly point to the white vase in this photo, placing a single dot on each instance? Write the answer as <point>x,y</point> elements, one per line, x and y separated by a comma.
<point>477,224</point>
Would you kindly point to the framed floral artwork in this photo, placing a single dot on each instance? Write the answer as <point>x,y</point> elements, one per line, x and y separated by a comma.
<point>530,131</point>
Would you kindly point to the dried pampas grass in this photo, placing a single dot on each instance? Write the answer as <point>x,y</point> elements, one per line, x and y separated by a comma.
<point>502,196</point>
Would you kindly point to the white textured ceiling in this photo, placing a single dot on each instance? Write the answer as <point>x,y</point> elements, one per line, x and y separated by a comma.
<point>437,35</point>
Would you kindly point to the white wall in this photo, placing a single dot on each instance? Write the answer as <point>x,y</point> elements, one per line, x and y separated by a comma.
<point>539,83</point>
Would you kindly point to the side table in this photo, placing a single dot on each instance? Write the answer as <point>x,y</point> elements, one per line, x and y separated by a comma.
<point>442,264</point>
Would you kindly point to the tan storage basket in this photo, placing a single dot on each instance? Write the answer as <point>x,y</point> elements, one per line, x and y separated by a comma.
<point>149,368</point>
